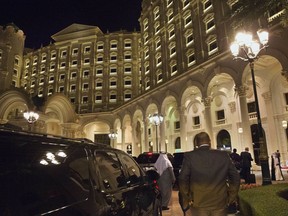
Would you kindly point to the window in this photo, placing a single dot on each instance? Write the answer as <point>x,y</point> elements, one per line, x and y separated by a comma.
<point>112,97</point>
<point>127,96</point>
<point>177,125</point>
<point>157,27</point>
<point>128,83</point>
<point>98,98</point>
<point>171,32</point>
<point>73,75</point>
<point>212,44</point>
<point>158,59</point>
<point>98,84</point>
<point>220,115</point>
<point>158,43</point>
<point>27,63</point>
<point>62,65</point>
<point>50,90</point>
<point>99,72</point>
<point>191,59</point>
<point>251,107</point>
<point>113,71</point>
<point>186,3</point>
<point>53,55</point>
<point>133,171</point>
<point>113,57</point>
<point>159,76</point>
<point>189,38</point>
<point>196,120</point>
<point>100,58</point>
<point>63,54</point>
<point>73,88</point>
<point>61,77</point>
<point>51,79</point>
<point>207,5</point>
<point>172,49</point>
<point>87,49</point>
<point>156,13</point>
<point>113,45</point>
<point>145,24</point>
<point>35,60</point>
<point>61,89</point>
<point>74,63</point>
<point>113,83</point>
<point>86,73</point>
<point>187,20</point>
<point>173,68</point>
<point>86,61</point>
<point>147,84</point>
<point>100,46</point>
<point>72,100</point>
<point>84,99</point>
<point>16,61</point>
<point>127,56</point>
<point>44,57</point>
<point>52,66</point>
<point>75,51</point>
<point>127,44</point>
<point>85,87</point>
<point>209,23</point>
<point>170,15</point>
<point>112,176</point>
<point>127,69</point>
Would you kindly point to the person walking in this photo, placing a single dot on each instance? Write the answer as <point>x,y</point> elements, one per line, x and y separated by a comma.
<point>166,180</point>
<point>246,159</point>
<point>236,159</point>
<point>208,182</point>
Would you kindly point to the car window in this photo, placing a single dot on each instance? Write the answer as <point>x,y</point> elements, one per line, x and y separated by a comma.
<point>147,158</point>
<point>132,169</point>
<point>110,170</point>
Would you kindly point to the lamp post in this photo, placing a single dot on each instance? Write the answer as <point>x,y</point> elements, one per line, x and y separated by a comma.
<point>250,49</point>
<point>156,119</point>
<point>31,118</point>
<point>113,136</point>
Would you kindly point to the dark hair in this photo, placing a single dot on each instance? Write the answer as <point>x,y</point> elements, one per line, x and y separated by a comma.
<point>202,138</point>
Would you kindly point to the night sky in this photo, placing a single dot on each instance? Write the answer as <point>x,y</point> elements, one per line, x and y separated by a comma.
<point>41,19</point>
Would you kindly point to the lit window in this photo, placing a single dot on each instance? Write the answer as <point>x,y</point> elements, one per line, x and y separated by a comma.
<point>100,46</point>
<point>75,51</point>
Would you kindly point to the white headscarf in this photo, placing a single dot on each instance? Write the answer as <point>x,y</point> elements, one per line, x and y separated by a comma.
<point>162,163</point>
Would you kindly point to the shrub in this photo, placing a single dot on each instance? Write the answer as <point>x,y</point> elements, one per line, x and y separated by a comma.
<point>264,200</point>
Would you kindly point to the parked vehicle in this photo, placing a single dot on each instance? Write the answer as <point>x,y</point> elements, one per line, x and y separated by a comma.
<point>55,176</point>
<point>147,159</point>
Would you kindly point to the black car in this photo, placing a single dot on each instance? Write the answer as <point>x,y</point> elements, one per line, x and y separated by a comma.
<point>147,159</point>
<point>56,176</point>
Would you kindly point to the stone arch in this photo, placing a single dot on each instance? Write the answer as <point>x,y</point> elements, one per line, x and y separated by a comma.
<point>59,107</point>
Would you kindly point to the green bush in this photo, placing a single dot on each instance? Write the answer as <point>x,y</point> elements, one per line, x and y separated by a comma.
<point>266,200</point>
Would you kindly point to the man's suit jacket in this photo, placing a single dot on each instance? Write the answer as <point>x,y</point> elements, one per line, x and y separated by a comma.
<point>246,159</point>
<point>208,178</point>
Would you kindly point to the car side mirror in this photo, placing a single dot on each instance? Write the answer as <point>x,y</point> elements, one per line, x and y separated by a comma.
<point>153,175</point>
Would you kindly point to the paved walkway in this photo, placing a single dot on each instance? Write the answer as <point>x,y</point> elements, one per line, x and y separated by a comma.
<point>175,209</point>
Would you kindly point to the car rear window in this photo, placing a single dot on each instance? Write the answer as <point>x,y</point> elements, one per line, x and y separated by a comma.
<point>147,158</point>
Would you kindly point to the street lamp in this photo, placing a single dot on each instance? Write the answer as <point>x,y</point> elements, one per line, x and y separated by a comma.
<point>250,49</point>
<point>156,119</point>
<point>113,136</point>
<point>31,117</point>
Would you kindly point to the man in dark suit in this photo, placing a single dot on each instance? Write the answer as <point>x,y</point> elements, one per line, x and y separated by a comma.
<point>246,159</point>
<point>208,180</point>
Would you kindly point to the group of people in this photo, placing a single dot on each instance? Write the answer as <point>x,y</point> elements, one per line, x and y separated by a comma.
<point>209,180</point>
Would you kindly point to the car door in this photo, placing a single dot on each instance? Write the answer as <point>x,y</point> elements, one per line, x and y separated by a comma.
<point>112,181</point>
<point>141,194</point>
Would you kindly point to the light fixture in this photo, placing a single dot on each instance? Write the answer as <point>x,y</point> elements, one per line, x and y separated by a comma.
<point>284,124</point>
<point>156,119</point>
<point>249,48</point>
<point>31,116</point>
<point>113,135</point>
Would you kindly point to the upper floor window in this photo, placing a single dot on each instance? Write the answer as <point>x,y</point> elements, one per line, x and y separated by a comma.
<point>170,15</point>
<point>113,45</point>
<point>73,75</point>
<point>169,2</point>
<point>212,45</point>
<point>86,73</point>
<point>35,60</point>
<point>156,13</point>
<point>75,51</point>
<point>99,71</point>
<point>186,3</point>
<point>171,32</point>
<point>127,44</point>
<point>53,55</point>
<point>207,4</point>
<point>145,24</point>
<point>157,27</point>
<point>44,57</point>
<point>100,46</point>
<point>87,49</point>
<point>63,53</point>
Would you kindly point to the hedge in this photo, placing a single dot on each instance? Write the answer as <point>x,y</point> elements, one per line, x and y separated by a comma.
<point>268,200</point>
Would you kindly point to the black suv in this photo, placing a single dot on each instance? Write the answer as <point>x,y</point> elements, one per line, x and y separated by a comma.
<point>56,176</point>
<point>147,159</point>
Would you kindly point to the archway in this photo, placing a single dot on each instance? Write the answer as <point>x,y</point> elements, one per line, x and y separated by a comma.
<point>224,140</point>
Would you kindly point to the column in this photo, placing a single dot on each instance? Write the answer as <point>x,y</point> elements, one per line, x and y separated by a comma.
<point>162,135</point>
<point>183,127</point>
<point>123,147</point>
<point>208,120</point>
<point>246,135</point>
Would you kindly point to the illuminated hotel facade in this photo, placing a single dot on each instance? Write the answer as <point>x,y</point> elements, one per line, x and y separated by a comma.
<point>87,84</point>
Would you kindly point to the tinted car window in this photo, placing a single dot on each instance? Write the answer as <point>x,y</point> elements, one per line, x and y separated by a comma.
<point>110,170</point>
<point>132,169</point>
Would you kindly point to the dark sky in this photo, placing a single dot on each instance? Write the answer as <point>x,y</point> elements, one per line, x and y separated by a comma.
<point>41,19</point>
